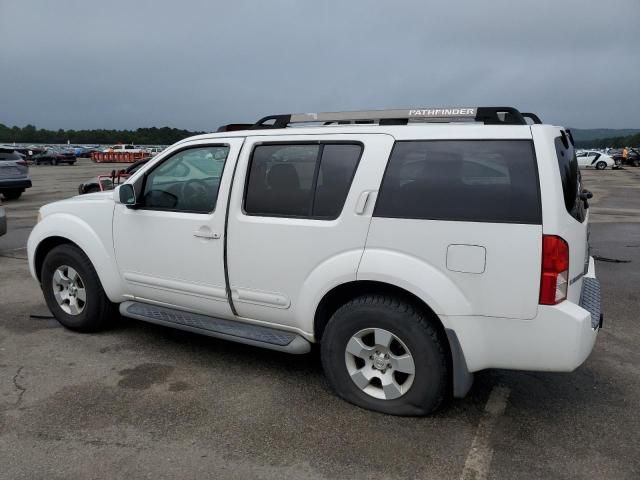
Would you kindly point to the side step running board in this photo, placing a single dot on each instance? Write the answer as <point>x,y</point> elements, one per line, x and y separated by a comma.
<point>241,332</point>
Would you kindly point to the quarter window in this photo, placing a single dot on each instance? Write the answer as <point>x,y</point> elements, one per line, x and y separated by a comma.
<point>187,181</point>
<point>464,180</point>
<point>300,180</point>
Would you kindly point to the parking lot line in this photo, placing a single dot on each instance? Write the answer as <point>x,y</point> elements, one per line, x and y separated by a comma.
<point>478,462</point>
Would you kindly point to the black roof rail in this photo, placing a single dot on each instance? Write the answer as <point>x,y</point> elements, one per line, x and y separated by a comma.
<point>532,116</point>
<point>486,115</point>
<point>232,127</point>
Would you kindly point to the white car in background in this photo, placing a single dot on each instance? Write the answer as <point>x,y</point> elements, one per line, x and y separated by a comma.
<point>594,159</point>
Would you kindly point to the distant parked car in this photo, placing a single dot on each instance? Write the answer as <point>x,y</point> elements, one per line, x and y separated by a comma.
<point>3,219</point>
<point>14,174</point>
<point>108,182</point>
<point>597,160</point>
<point>155,150</point>
<point>54,157</point>
<point>123,149</point>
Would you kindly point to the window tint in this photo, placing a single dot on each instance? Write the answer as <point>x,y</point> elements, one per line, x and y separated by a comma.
<point>300,180</point>
<point>468,180</point>
<point>9,155</point>
<point>188,181</point>
<point>570,177</point>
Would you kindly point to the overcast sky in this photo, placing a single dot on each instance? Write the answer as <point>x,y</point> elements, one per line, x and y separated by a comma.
<point>197,64</point>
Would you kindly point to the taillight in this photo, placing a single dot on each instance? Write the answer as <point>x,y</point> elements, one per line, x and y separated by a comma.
<point>554,279</point>
<point>22,162</point>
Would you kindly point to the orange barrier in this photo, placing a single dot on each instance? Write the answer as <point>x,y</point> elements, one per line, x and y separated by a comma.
<point>117,157</point>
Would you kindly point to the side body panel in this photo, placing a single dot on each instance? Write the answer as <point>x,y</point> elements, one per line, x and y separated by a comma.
<point>460,267</point>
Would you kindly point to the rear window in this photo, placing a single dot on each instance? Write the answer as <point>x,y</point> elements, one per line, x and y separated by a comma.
<point>9,155</point>
<point>570,177</point>
<point>462,180</point>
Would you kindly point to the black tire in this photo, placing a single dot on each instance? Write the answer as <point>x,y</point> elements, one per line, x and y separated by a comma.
<point>92,189</point>
<point>12,194</point>
<point>98,312</point>
<point>54,162</point>
<point>601,165</point>
<point>414,328</point>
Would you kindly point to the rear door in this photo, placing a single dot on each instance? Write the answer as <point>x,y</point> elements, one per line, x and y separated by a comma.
<point>300,204</point>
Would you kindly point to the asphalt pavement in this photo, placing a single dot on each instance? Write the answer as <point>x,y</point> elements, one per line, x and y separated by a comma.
<point>142,401</point>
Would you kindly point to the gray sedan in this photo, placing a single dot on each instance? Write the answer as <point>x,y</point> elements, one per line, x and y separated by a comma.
<point>14,174</point>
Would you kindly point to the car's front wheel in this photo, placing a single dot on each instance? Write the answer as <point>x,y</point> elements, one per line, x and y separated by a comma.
<point>384,354</point>
<point>73,291</point>
<point>601,165</point>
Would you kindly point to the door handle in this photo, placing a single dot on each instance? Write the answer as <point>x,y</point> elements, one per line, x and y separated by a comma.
<point>206,234</point>
<point>361,204</point>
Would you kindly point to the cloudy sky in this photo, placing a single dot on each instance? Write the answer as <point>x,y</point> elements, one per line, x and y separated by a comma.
<point>199,63</point>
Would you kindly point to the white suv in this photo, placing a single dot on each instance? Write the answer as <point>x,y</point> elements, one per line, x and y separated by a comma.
<point>415,246</point>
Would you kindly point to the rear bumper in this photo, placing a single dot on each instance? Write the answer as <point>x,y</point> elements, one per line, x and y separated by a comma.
<point>12,183</point>
<point>558,339</point>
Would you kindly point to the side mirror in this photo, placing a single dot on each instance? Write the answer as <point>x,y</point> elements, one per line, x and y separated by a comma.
<point>125,195</point>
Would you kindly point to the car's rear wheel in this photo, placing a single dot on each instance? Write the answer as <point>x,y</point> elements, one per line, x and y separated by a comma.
<point>601,165</point>
<point>92,189</point>
<point>73,291</point>
<point>383,354</point>
<point>12,194</point>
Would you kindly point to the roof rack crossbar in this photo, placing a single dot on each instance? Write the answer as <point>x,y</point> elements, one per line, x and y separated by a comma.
<point>487,115</point>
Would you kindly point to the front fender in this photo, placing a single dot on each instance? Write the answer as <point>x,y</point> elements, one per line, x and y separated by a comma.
<point>98,247</point>
<point>416,276</point>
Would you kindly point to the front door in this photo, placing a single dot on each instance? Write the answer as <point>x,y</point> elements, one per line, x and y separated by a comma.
<point>170,249</point>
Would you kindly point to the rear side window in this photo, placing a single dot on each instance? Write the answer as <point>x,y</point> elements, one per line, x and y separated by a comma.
<point>462,180</point>
<point>300,180</point>
<point>570,177</point>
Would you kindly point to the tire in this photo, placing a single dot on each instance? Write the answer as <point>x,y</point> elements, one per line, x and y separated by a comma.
<point>363,318</point>
<point>12,194</point>
<point>54,162</point>
<point>96,312</point>
<point>92,189</point>
<point>601,165</point>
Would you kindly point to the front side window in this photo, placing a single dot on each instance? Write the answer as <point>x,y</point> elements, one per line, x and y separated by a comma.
<point>462,180</point>
<point>188,181</point>
<point>300,180</point>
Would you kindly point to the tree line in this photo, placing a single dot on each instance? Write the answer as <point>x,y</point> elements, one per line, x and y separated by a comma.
<point>140,136</point>
<point>615,142</point>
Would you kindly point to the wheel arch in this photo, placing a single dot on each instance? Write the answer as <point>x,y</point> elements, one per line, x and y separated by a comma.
<point>44,247</point>
<point>60,229</point>
<point>462,379</point>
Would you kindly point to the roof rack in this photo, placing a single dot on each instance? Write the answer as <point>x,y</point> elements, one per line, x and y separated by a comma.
<point>486,115</point>
<point>232,127</point>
